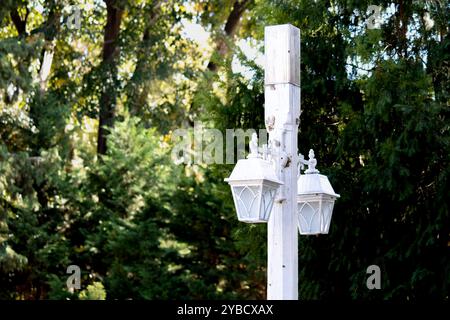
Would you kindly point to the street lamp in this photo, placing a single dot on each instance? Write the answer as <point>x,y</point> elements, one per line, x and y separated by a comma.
<point>254,186</point>
<point>267,187</point>
<point>315,199</point>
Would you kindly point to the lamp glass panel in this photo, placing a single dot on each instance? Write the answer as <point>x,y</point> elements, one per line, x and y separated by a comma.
<point>247,200</point>
<point>268,197</point>
<point>309,217</point>
<point>327,212</point>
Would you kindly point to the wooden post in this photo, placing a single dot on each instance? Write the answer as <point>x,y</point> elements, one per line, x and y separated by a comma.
<point>282,114</point>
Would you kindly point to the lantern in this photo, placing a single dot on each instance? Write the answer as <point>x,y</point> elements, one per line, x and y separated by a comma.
<point>315,200</point>
<point>254,187</point>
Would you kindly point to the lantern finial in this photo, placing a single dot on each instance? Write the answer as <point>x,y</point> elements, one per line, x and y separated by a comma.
<point>253,147</point>
<point>311,162</point>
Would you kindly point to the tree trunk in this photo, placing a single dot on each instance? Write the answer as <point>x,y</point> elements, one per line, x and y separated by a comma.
<point>141,79</point>
<point>21,25</point>
<point>230,29</point>
<point>110,56</point>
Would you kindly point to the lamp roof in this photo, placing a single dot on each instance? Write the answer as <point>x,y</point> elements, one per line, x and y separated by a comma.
<point>311,183</point>
<point>253,169</point>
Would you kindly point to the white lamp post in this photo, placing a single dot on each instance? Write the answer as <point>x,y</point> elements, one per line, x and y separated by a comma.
<point>264,186</point>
